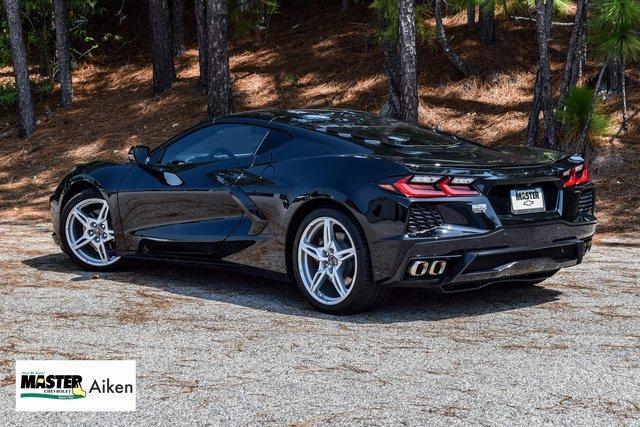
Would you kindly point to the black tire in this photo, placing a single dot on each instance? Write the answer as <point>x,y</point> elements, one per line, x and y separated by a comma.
<point>66,210</point>
<point>365,294</point>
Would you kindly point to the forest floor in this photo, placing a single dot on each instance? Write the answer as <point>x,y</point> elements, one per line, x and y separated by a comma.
<point>312,58</point>
<point>228,349</point>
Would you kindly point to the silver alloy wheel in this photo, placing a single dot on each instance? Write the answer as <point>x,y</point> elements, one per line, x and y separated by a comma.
<point>327,260</point>
<point>89,234</point>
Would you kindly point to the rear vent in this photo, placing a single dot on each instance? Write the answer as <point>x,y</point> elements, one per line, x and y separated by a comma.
<point>587,202</point>
<point>489,262</point>
<point>422,218</point>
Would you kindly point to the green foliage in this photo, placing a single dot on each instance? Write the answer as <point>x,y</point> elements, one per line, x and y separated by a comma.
<point>614,28</point>
<point>247,16</point>
<point>8,95</point>
<point>526,7</point>
<point>291,79</point>
<point>37,24</point>
<point>388,9</point>
<point>577,104</point>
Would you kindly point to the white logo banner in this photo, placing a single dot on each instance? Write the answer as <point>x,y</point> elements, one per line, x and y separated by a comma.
<point>75,385</point>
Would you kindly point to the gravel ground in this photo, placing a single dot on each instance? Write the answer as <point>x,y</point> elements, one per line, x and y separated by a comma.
<point>217,348</point>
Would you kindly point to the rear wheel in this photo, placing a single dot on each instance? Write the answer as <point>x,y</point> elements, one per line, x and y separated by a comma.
<point>86,232</point>
<point>332,266</point>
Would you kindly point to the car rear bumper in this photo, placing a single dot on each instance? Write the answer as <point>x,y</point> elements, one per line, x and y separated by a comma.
<point>523,252</point>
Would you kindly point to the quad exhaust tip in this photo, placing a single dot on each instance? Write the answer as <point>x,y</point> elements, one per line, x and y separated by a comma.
<point>423,267</point>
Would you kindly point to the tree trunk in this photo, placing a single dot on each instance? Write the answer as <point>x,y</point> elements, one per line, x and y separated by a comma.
<point>471,14</point>
<point>177,7</point>
<point>611,80</point>
<point>532,127</point>
<point>218,79</point>
<point>572,53</point>
<point>408,61</point>
<point>201,31</point>
<point>623,84</point>
<point>485,20</point>
<point>444,41</point>
<point>392,67</point>
<point>62,51</point>
<point>20,69</point>
<point>585,126</point>
<point>344,5</point>
<point>164,71</point>
<point>543,25</point>
<point>582,50</point>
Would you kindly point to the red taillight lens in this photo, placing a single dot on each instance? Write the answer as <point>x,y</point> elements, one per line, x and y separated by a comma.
<point>576,175</point>
<point>412,186</point>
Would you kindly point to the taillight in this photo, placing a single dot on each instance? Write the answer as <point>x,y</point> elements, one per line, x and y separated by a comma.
<point>423,186</point>
<point>576,175</point>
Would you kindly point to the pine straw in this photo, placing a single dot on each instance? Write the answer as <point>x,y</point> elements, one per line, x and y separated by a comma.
<point>313,58</point>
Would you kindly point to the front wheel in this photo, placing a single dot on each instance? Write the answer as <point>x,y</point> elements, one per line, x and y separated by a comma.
<point>86,231</point>
<point>332,266</point>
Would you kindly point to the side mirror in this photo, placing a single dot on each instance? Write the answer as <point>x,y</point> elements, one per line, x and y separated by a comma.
<point>139,154</point>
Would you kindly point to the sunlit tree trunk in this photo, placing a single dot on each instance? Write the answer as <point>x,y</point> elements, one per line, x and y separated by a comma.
<point>444,41</point>
<point>164,71</point>
<point>408,61</point>
<point>571,62</point>
<point>543,25</point>
<point>20,69</point>
<point>62,52</point>
<point>218,83</point>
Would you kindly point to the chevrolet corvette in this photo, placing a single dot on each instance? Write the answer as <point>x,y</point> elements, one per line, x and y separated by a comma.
<point>345,204</point>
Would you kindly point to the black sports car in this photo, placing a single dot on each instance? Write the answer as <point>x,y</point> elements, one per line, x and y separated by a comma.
<point>344,203</point>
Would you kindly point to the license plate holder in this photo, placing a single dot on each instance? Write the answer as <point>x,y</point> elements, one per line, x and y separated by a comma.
<point>527,200</point>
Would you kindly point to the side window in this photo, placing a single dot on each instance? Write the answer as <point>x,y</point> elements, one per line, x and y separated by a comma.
<point>217,142</point>
<point>275,139</point>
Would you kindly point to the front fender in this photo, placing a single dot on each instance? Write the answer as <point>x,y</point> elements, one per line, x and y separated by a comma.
<point>105,177</point>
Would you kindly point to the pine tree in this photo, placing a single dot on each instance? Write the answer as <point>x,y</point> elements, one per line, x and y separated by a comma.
<point>218,83</point>
<point>164,71</point>
<point>20,69</point>
<point>408,61</point>
<point>485,21</point>
<point>387,13</point>
<point>201,31</point>
<point>614,32</point>
<point>543,95</point>
<point>573,52</point>
<point>62,52</point>
<point>177,9</point>
<point>544,13</point>
<point>444,41</point>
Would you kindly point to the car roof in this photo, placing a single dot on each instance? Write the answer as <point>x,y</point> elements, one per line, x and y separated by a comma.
<point>360,127</point>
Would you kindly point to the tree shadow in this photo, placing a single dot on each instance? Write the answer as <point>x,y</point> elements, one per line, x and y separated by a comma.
<point>404,305</point>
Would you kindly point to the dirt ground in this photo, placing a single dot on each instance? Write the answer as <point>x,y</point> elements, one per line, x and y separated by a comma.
<point>312,57</point>
<point>220,349</point>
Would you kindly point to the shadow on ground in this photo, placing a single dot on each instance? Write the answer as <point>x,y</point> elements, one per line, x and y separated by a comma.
<point>404,305</point>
